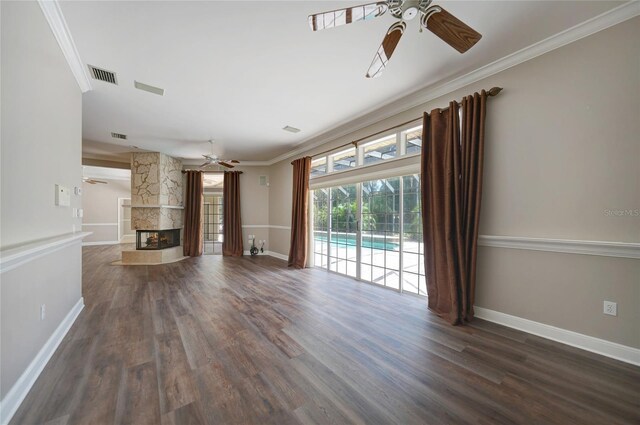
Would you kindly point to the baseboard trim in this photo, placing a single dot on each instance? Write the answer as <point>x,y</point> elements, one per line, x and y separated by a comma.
<point>278,255</point>
<point>589,343</point>
<point>271,254</point>
<point>16,395</point>
<point>100,243</point>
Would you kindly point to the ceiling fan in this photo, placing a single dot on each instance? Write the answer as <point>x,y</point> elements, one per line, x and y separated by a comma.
<point>92,181</point>
<point>213,159</point>
<point>450,29</point>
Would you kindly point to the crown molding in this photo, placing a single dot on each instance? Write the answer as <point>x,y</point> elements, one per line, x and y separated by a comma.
<point>591,26</point>
<point>55,18</point>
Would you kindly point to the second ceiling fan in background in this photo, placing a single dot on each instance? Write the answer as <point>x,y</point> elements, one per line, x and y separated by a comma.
<point>450,29</point>
<point>213,159</point>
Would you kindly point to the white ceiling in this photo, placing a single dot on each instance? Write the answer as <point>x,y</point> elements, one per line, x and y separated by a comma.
<point>239,71</point>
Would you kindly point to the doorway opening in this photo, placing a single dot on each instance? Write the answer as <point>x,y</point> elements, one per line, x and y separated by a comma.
<point>213,213</point>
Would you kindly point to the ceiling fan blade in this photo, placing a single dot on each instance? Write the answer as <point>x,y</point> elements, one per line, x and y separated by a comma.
<point>224,164</point>
<point>335,18</point>
<point>234,161</point>
<point>451,30</point>
<point>98,181</point>
<point>205,164</point>
<point>386,49</point>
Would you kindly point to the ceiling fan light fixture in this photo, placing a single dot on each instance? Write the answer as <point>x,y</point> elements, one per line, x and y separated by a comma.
<point>291,129</point>
<point>409,13</point>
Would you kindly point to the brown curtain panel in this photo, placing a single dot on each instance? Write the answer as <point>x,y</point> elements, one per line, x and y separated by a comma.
<point>300,199</point>
<point>193,214</point>
<point>232,224</point>
<point>451,184</point>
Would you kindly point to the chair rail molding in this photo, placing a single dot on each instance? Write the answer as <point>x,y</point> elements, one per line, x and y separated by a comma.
<point>265,226</point>
<point>55,18</point>
<point>601,248</point>
<point>15,257</point>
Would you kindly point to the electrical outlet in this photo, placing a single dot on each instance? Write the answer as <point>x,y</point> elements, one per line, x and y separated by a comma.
<point>42,311</point>
<point>610,308</point>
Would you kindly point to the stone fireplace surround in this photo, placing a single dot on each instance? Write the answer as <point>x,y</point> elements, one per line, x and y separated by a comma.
<point>156,203</point>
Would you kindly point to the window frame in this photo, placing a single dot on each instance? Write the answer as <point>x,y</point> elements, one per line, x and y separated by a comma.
<point>401,151</point>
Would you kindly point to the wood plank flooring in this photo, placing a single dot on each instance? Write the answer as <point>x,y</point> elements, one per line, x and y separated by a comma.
<point>216,340</point>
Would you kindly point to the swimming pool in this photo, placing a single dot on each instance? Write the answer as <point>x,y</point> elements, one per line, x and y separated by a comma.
<point>375,242</point>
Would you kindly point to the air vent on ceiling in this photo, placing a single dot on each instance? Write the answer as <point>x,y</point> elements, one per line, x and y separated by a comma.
<point>291,129</point>
<point>119,136</point>
<point>147,87</point>
<point>103,75</point>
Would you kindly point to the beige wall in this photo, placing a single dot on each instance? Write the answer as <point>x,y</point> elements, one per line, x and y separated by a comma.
<point>562,147</point>
<point>40,146</point>
<point>254,201</point>
<point>100,204</point>
<point>281,187</point>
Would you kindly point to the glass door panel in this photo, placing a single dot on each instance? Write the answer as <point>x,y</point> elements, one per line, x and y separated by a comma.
<point>380,259</point>
<point>321,227</point>
<point>212,226</point>
<point>413,275</point>
<point>372,231</point>
<point>343,229</point>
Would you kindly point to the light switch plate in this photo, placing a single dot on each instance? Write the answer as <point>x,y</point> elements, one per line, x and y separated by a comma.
<point>610,308</point>
<point>63,196</point>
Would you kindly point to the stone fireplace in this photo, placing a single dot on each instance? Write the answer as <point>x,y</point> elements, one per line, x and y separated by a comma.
<point>156,208</point>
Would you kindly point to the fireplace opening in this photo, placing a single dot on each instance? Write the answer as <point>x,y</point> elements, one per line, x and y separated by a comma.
<point>157,239</point>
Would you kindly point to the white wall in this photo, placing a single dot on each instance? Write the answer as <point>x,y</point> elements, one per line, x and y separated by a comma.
<point>562,148</point>
<point>40,146</point>
<point>100,204</point>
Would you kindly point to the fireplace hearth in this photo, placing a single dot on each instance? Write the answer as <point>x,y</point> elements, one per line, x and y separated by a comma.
<point>157,239</point>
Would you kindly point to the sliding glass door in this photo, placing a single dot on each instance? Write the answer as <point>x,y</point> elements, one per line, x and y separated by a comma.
<point>381,232</point>
<point>413,274</point>
<point>372,231</point>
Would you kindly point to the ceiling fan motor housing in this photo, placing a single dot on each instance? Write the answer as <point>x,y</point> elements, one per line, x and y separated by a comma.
<point>407,9</point>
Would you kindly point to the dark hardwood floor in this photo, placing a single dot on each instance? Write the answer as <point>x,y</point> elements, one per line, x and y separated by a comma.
<point>216,340</point>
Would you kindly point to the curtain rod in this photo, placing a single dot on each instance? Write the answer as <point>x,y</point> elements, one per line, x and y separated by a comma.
<point>493,91</point>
